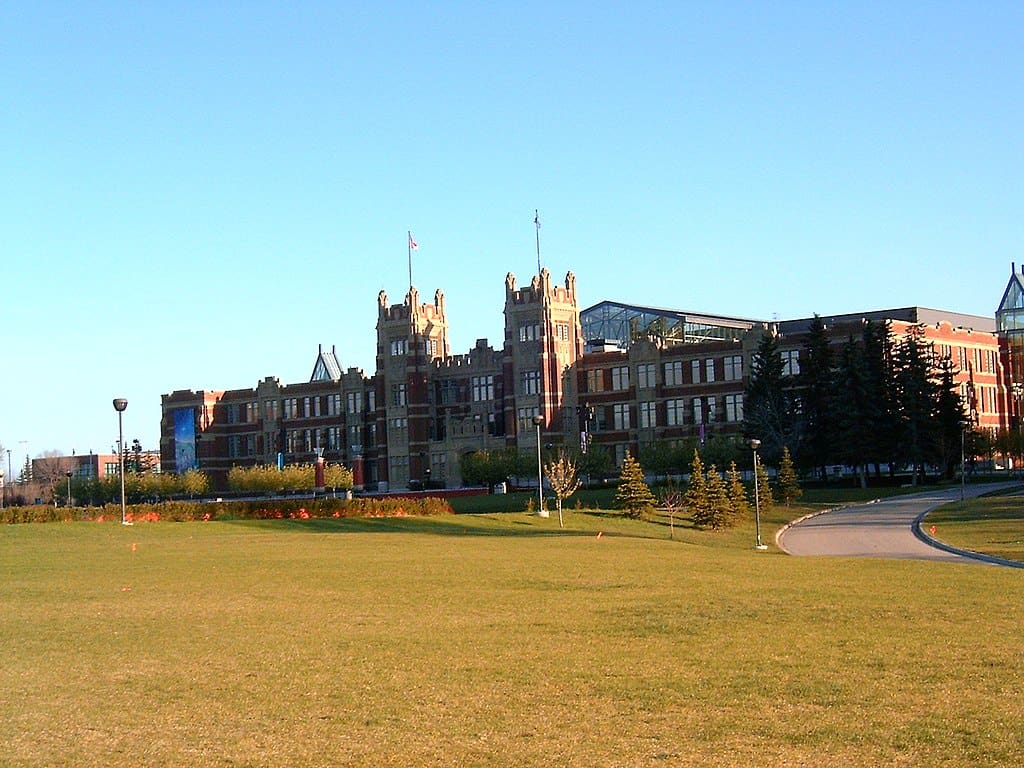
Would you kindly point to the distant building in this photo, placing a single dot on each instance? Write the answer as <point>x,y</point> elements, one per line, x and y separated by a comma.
<point>613,377</point>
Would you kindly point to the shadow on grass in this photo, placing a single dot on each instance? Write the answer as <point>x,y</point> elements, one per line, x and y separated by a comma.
<point>461,525</point>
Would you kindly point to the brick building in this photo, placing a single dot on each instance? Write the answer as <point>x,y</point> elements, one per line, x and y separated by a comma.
<point>615,375</point>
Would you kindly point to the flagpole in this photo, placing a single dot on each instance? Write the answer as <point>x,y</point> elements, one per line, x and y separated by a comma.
<point>408,246</point>
<point>536,221</point>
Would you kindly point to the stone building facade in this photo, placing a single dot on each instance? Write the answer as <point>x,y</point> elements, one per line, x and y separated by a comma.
<point>667,376</point>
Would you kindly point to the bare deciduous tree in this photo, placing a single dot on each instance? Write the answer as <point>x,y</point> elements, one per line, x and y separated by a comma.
<point>563,477</point>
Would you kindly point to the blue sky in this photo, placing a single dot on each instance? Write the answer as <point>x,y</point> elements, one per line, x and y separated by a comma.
<point>196,195</point>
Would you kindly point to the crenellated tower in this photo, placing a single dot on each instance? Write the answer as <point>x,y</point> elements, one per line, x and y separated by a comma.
<point>543,338</point>
<point>410,337</point>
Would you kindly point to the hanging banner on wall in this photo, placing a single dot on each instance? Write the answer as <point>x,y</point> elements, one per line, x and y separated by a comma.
<point>185,439</point>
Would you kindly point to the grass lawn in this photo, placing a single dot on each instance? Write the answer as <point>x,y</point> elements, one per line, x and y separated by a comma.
<point>495,639</point>
<point>992,525</point>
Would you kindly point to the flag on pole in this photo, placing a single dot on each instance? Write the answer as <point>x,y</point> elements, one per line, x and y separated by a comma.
<point>536,219</point>
<point>413,245</point>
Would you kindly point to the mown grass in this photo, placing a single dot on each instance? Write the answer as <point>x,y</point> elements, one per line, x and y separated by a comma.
<point>494,640</point>
<point>992,525</point>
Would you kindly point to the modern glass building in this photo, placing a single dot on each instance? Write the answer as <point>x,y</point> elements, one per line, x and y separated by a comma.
<point>610,321</point>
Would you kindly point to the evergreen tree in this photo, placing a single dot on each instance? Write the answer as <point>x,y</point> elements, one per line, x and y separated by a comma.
<point>767,403</point>
<point>916,395</point>
<point>721,510</point>
<point>949,418</point>
<point>817,395</point>
<point>764,496</point>
<point>634,496</point>
<point>789,485</point>
<point>696,496</point>
<point>881,415</point>
<point>854,441</point>
<point>738,499</point>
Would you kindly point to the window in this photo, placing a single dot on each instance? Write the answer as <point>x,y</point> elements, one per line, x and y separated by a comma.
<point>234,446</point>
<point>353,402</point>
<point>790,362</point>
<point>621,452</point>
<point>525,418</point>
<point>430,347</point>
<point>595,380</point>
<point>398,347</point>
<point>648,414</point>
<point>290,407</point>
<point>675,411</point>
<point>252,412</point>
<point>334,404</point>
<point>371,400</point>
<point>355,436</point>
<point>482,387</point>
<point>530,382</point>
<point>334,438</point>
<point>449,391</point>
<point>620,416</point>
<point>307,410</point>
<point>398,394</point>
<point>698,411</point>
<point>562,331</point>
<point>709,370</point>
<point>674,373</point>
<point>734,368</point>
<point>529,331</point>
<point>317,405</point>
<point>620,377</point>
<point>645,378</point>
<point>712,409</point>
<point>270,410</point>
<point>734,407</point>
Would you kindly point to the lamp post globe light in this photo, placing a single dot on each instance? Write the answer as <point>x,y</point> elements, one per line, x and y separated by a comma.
<point>119,405</point>
<point>541,512</point>
<point>754,445</point>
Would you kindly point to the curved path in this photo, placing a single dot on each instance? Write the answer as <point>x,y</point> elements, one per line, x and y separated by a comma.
<point>886,528</point>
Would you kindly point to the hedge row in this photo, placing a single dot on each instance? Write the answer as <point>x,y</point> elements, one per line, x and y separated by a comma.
<point>184,511</point>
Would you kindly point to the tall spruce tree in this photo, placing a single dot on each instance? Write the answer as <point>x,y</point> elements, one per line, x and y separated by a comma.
<point>816,383</point>
<point>788,484</point>
<point>696,496</point>
<point>882,417</point>
<point>916,396</point>
<point>738,494</point>
<point>767,403</point>
<point>949,418</point>
<point>853,414</point>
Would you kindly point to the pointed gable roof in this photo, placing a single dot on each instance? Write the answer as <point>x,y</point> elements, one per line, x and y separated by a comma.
<point>327,367</point>
<point>1013,296</point>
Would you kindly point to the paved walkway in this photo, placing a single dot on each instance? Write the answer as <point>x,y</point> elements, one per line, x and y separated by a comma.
<point>886,528</point>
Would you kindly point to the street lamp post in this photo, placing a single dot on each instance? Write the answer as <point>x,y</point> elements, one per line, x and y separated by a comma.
<point>119,405</point>
<point>963,458</point>
<point>541,512</point>
<point>754,445</point>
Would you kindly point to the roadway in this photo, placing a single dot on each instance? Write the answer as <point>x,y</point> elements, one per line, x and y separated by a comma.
<point>886,528</point>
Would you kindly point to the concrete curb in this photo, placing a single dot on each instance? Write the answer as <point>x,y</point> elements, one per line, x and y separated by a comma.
<point>933,542</point>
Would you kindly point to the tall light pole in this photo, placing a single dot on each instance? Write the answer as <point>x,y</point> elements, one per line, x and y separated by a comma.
<point>963,458</point>
<point>754,445</point>
<point>541,512</point>
<point>119,405</point>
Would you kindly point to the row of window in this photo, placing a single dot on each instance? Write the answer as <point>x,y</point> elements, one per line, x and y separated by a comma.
<point>316,406</point>
<point>400,346</point>
<point>677,412</point>
<point>707,371</point>
<point>530,331</point>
